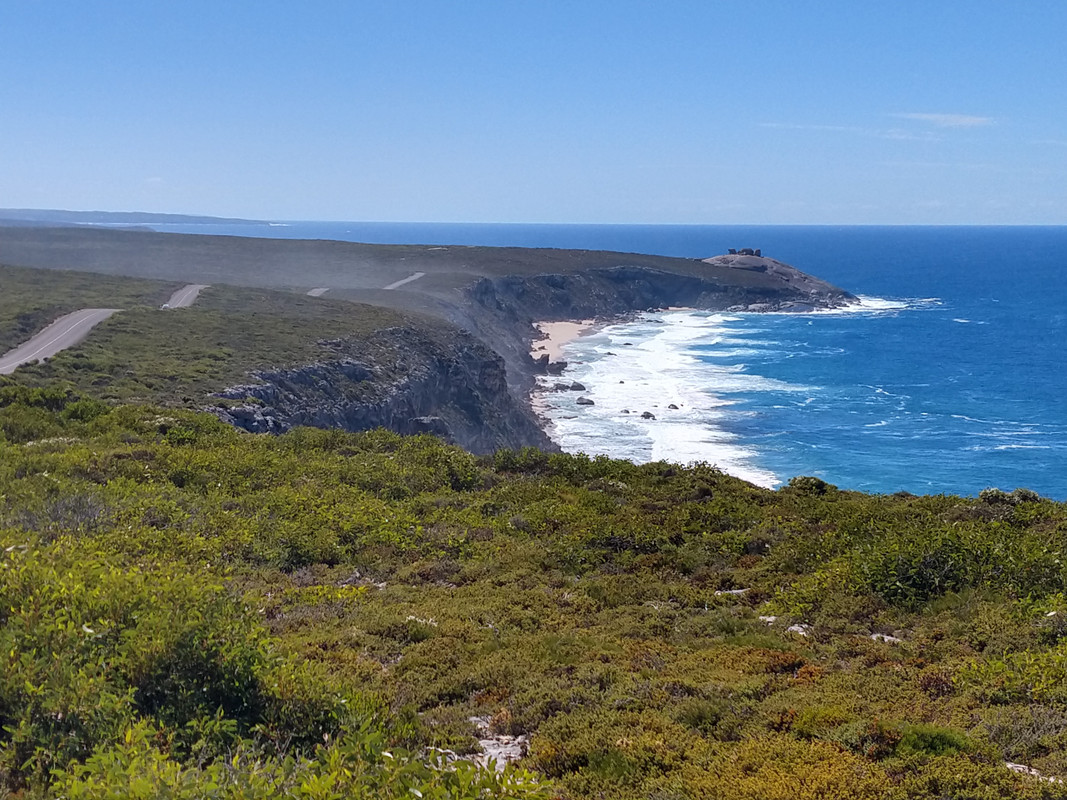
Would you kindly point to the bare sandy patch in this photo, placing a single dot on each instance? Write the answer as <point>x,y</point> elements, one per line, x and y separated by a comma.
<point>557,334</point>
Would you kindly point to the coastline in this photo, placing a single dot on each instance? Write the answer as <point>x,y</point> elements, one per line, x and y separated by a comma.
<point>556,334</point>
<point>661,413</point>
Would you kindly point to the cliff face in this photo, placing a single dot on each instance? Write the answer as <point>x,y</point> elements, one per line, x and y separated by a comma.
<point>764,283</point>
<point>471,388</point>
<point>415,384</point>
<point>505,309</point>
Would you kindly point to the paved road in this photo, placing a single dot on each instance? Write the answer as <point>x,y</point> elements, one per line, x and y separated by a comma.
<point>319,292</point>
<point>65,332</point>
<point>402,281</point>
<point>186,296</point>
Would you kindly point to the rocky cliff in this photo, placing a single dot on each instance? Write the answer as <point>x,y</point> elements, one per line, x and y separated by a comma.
<point>455,389</point>
<point>503,310</point>
<point>470,386</point>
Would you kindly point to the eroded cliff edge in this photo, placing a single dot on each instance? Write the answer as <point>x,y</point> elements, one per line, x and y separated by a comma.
<point>504,310</point>
<point>456,390</point>
<point>473,390</point>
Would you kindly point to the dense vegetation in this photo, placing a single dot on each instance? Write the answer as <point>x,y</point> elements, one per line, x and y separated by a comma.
<point>180,357</point>
<point>32,298</point>
<point>189,611</point>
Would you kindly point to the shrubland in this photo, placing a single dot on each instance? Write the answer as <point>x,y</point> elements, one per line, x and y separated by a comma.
<point>189,611</point>
<point>33,298</point>
<point>181,357</point>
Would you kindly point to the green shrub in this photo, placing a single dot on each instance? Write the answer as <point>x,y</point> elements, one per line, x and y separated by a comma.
<point>358,767</point>
<point>931,740</point>
<point>810,485</point>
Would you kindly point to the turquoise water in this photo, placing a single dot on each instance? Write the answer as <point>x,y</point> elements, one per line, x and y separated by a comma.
<point>951,378</point>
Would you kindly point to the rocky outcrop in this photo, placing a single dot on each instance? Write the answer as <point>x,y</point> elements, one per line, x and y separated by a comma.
<point>415,383</point>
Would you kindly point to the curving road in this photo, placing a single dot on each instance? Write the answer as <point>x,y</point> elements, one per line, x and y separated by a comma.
<point>319,292</point>
<point>65,332</point>
<point>186,296</point>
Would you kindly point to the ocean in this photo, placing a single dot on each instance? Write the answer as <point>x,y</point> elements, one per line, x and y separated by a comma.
<point>948,377</point>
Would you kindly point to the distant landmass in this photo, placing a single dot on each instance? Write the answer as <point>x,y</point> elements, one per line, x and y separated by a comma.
<point>60,217</point>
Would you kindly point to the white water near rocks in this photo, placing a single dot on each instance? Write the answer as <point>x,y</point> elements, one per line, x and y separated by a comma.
<point>643,366</point>
<point>909,394</point>
<point>657,364</point>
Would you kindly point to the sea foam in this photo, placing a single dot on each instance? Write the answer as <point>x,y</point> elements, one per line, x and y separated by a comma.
<point>693,360</point>
<point>642,367</point>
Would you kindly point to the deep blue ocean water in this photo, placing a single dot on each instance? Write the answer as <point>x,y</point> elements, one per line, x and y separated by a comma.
<point>950,379</point>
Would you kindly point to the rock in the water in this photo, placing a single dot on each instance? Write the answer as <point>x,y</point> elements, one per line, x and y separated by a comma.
<point>672,405</point>
<point>584,401</point>
<point>556,367</point>
<point>577,387</point>
<point>648,415</point>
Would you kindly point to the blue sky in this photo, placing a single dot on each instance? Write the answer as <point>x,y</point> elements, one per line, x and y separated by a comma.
<point>762,112</point>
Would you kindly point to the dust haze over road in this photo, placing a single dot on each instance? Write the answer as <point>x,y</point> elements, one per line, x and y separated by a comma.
<point>65,332</point>
<point>186,296</point>
<point>70,329</point>
<point>402,281</point>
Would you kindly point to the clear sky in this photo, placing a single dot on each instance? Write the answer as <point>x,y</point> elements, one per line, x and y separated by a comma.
<point>709,111</point>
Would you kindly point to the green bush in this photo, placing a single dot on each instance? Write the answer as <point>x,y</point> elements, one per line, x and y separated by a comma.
<point>270,616</point>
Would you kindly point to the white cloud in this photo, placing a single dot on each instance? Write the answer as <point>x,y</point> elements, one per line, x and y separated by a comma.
<point>948,120</point>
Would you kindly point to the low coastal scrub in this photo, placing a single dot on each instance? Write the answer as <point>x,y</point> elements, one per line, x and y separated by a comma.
<point>33,298</point>
<point>190,611</point>
<point>181,357</point>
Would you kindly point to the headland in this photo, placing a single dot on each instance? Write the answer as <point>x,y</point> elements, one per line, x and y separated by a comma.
<point>450,349</point>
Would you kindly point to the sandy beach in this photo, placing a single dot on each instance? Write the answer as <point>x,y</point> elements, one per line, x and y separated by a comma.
<point>557,334</point>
